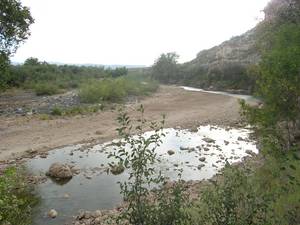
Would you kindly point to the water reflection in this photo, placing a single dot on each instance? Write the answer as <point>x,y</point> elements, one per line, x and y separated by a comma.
<point>200,154</point>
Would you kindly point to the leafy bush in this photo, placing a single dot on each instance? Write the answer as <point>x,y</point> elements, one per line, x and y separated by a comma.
<point>233,200</point>
<point>46,89</point>
<point>143,207</point>
<point>265,195</point>
<point>56,111</point>
<point>16,199</point>
<point>115,90</point>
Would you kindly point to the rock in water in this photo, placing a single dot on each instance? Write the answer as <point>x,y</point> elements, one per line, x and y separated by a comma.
<point>202,159</point>
<point>249,152</point>
<point>171,152</point>
<point>209,140</point>
<point>52,213</point>
<point>117,169</point>
<point>60,171</point>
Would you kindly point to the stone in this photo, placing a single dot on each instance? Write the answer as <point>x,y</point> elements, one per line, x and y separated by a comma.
<point>88,176</point>
<point>171,152</point>
<point>249,152</point>
<point>97,220</point>
<point>209,140</point>
<point>117,169</point>
<point>60,171</point>
<point>202,159</point>
<point>52,213</point>
<point>99,132</point>
<point>66,195</point>
<point>200,166</point>
<point>226,142</point>
<point>97,213</point>
<point>241,139</point>
<point>194,130</point>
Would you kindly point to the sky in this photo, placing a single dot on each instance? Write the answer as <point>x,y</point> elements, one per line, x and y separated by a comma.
<point>132,32</point>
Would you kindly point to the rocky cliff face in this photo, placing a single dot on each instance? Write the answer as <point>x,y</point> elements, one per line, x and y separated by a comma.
<point>238,50</point>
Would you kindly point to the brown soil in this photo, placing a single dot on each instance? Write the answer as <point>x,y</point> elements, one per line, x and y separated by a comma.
<point>182,108</point>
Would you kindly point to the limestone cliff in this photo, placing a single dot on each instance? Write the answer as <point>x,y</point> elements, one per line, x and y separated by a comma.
<point>219,66</point>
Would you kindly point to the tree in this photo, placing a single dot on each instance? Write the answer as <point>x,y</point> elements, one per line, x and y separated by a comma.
<point>32,62</point>
<point>278,82</point>
<point>15,20</point>
<point>165,67</point>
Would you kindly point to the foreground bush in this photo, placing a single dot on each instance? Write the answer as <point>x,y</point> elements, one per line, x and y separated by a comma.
<point>137,153</point>
<point>16,199</point>
<point>268,195</point>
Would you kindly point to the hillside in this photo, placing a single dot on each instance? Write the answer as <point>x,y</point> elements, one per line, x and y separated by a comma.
<point>225,67</point>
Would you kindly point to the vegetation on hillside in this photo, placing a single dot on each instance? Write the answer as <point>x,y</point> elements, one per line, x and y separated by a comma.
<point>226,76</point>
<point>268,193</point>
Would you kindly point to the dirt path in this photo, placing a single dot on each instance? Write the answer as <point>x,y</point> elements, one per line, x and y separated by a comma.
<point>182,108</point>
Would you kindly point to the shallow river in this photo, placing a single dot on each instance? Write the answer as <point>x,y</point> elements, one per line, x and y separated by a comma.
<point>239,96</point>
<point>94,189</point>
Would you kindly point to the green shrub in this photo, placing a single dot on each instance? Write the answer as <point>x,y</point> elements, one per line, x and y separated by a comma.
<point>163,206</point>
<point>265,195</point>
<point>16,199</point>
<point>233,200</point>
<point>115,90</point>
<point>46,89</point>
<point>56,111</point>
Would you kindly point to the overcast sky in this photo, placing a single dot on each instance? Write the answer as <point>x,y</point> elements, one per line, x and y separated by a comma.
<point>132,32</point>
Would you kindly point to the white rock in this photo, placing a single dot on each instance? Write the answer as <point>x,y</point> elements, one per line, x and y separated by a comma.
<point>52,213</point>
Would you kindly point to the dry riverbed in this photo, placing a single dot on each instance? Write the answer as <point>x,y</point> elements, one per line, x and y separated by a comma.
<point>200,150</point>
<point>185,109</point>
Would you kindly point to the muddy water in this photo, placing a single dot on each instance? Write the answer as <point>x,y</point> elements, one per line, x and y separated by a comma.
<point>94,189</point>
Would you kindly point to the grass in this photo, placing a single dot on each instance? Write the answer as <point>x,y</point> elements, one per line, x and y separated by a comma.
<point>46,89</point>
<point>16,198</point>
<point>115,90</point>
<point>73,111</point>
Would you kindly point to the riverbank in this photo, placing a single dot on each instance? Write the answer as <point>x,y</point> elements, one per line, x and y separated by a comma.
<point>184,109</point>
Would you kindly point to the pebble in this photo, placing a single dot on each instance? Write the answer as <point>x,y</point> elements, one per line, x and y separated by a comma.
<point>52,213</point>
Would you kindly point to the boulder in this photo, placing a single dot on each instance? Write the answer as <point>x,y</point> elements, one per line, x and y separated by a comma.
<point>241,139</point>
<point>171,152</point>
<point>117,169</point>
<point>209,140</point>
<point>52,213</point>
<point>200,166</point>
<point>202,159</point>
<point>194,130</point>
<point>60,171</point>
<point>249,152</point>
<point>226,142</point>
